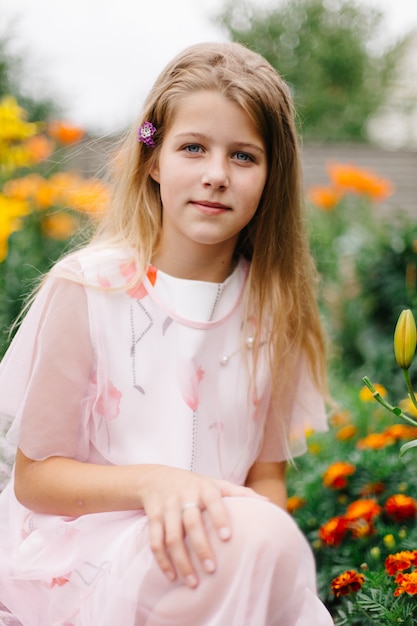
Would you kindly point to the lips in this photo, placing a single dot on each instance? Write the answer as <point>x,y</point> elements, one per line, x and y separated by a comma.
<point>205,204</point>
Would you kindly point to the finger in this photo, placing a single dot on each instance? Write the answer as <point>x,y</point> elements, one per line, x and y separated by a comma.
<point>216,508</point>
<point>176,547</point>
<point>158,547</point>
<point>198,539</point>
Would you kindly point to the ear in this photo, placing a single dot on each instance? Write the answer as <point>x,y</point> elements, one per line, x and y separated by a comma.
<point>154,171</point>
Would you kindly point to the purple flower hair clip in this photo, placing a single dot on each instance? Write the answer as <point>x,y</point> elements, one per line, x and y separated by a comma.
<point>145,134</point>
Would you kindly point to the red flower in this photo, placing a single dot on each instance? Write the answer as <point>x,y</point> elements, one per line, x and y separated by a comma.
<point>401,507</point>
<point>348,582</point>
<point>332,532</point>
<point>400,561</point>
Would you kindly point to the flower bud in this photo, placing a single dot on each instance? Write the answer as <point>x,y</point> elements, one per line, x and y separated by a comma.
<point>405,339</point>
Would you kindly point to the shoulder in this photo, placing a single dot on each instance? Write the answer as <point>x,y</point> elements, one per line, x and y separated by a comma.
<point>95,266</point>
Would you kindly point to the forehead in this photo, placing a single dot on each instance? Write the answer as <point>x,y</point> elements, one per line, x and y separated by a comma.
<point>211,110</point>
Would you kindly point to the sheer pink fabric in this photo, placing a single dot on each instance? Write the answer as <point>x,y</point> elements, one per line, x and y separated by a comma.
<point>97,375</point>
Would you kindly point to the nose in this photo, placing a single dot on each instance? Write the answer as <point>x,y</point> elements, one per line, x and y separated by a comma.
<point>216,172</point>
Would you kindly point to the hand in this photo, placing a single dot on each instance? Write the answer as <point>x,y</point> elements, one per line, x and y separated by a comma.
<point>173,500</point>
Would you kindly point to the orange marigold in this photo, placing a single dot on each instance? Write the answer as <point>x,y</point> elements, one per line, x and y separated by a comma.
<point>375,441</point>
<point>364,508</point>
<point>360,180</point>
<point>294,503</point>
<point>59,226</point>
<point>339,418</point>
<point>348,582</point>
<point>333,532</point>
<point>407,583</point>
<point>346,432</point>
<point>400,561</point>
<point>65,132</point>
<point>39,148</point>
<point>325,198</point>
<point>401,507</point>
<point>335,474</point>
<point>401,431</point>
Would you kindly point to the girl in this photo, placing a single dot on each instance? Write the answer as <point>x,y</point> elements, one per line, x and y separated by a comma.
<point>166,372</point>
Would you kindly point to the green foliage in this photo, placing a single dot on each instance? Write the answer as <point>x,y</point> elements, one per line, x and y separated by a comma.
<point>331,54</point>
<point>379,473</point>
<point>369,275</point>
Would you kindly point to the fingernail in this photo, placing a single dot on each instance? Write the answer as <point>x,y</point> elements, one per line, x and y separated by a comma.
<point>224,532</point>
<point>191,581</point>
<point>209,566</point>
<point>170,576</point>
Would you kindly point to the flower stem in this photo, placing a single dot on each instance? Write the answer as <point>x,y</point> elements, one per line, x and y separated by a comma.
<point>409,386</point>
<point>393,409</point>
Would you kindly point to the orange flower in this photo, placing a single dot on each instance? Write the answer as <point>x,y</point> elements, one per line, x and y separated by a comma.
<point>401,431</point>
<point>325,198</point>
<point>365,508</point>
<point>401,507</point>
<point>407,583</point>
<point>39,148</point>
<point>400,561</point>
<point>375,441</point>
<point>340,418</point>
<point>89,196</point>
<point>333,532</point>
<point>366,395</point>
<point>294,503</point>
<point>346,432</point>
<point>65,132</point>
<point>59,226</point>
<point>335,474</point>
<point>358,180</point>
<point>348,582</point>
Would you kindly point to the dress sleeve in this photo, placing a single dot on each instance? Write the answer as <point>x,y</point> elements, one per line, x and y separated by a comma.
<point>301,411</point>
<point>44,376</point>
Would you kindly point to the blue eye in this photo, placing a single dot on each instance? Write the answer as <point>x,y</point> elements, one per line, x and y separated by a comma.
<point>193,148</point>
<point>243,156</point>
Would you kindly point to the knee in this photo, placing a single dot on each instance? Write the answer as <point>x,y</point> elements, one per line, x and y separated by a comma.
<point>260,524</point>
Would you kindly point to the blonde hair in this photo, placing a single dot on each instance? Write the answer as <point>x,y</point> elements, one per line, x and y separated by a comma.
<point>282,281</point>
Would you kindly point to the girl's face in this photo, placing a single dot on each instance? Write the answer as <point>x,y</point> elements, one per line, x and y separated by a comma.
<point>211,168</point>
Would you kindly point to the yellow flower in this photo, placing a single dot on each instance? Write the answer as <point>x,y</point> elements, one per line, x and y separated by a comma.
<point>13,124</point>
<point>405,339</point>
<point>366,395</point>
<point>11,212</point>
<point>389,541</point>
<point>407,406</point>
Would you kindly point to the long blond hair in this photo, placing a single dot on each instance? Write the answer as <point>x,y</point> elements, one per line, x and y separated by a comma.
<point>282,282</point>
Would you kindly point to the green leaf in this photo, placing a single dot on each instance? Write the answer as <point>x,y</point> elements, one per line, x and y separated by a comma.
<point>408,446</point>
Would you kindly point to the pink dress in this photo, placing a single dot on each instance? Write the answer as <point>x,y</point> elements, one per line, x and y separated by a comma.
<point>107,371</point>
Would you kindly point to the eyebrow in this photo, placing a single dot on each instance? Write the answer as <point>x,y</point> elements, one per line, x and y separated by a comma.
<point>242,145</point>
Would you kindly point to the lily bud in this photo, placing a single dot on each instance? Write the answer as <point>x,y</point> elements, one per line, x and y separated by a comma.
<point>405,339</point>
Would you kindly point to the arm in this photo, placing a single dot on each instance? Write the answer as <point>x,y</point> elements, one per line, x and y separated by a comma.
<point>268,479</point>
<point>63,486</point>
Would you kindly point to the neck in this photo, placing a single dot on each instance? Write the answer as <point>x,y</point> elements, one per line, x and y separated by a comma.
<point>205,267</point>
